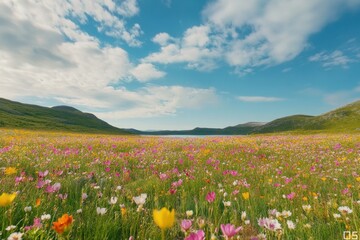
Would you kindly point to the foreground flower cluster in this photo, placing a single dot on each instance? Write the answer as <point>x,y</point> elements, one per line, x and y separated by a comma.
<point>72,186</point>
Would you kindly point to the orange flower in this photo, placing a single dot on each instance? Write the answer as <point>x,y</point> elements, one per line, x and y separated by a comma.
<point>63,223</point>
<point>123,211</point>
<point>38,202</point>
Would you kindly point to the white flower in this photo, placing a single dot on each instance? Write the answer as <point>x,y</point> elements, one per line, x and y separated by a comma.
<point>261,236</point>
<point>140,200</point>
<point>225,194</point>
<point>336,215</point>
<point>79,211</point>
<point>270,224</point>
<point>96,187</point>
<point>27,209</point>
<point>243,215</point>
<point>236,182</point>
<point>189,213</point>
<point>101,211</point>
<point>118,188</point>
<point>274,212</point>
<point>306,208</point>
<point>358,202</point>
<point>227,204</point>
<point>247,222</point>
<point>11,227</point>
<point>45,217</point>
<point>15,236</point>
<point>113,200</point>
<point>290,224</point>
<point>286,214</point>
<point>84,196</point>
<point>344,210</point>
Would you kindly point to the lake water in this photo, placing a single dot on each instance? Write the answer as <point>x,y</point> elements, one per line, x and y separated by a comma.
<point>191,136</point>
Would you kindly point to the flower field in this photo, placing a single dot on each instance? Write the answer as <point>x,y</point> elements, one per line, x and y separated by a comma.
<point>73,186</point>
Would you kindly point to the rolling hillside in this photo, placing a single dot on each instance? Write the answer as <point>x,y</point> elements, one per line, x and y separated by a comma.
<point>62,118</point>
<point>346,119</point>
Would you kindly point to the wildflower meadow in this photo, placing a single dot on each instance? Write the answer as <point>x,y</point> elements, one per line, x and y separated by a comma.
<point>82,186</point>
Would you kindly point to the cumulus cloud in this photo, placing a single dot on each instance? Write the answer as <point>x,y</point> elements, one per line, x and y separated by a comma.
<point>333,59</point>
<point>198,48</point>
<point>271,32</point>
<point>46,55</point>
<point>146,71</point>
<point>250,34</point>
<point>163,100</point>
<point>258,99</point>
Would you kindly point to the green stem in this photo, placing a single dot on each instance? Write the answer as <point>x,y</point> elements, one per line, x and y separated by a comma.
<point>162,234</point>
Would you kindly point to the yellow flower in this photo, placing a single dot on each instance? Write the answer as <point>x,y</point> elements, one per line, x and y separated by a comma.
<point>10,170</point>
<point>323,178</point>
<point>164,218</point>
<point>358,179</point>
<point>246,195</point>
<point>6,199</point>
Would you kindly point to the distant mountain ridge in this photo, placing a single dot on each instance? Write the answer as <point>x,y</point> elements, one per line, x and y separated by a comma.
<point>63,118</point>
<point>66,118</point>
<point>343,119</point>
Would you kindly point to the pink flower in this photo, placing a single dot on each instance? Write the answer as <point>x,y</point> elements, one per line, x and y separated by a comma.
<point>163,176</point>
<point>229,230</point>
<point>291,196</point>
<point>210,197</point>
<point>54,188</point>
<point>199,235</point>
<point>43,174</point>
<point>37,223</point>
<point>186,225</point>
<point>288,180</point>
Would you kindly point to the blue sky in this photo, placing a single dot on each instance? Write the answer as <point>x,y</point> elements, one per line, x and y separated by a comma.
<point>179,64</point>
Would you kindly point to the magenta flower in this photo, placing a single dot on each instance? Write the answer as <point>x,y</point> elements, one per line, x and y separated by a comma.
<point>291,196</point>
<point>199,235</point>
<point>229,230</point>
<point>210,197</point>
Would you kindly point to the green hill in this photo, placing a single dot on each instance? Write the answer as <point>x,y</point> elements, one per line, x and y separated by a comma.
<point>61,118</point>
<point>344,119</point>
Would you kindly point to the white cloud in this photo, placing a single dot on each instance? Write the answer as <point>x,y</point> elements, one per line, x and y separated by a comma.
<point>163,100</point>
<point>271,32</point>
<point>128,8</point>
<point>334,59</point>
<point>249,34</point>
<point>259,99</point>
<point>146,71</point>
<point>162,39</point>
<point>45,55</point>
<point>197,48</point>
